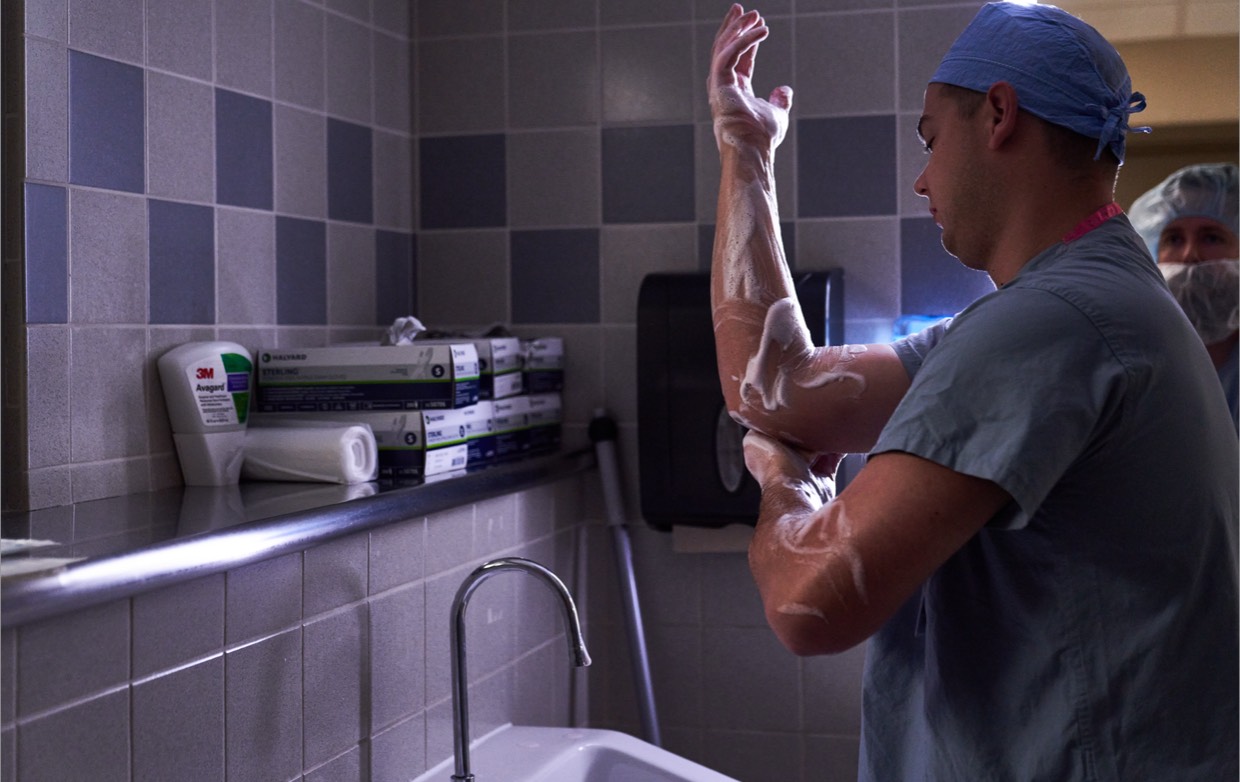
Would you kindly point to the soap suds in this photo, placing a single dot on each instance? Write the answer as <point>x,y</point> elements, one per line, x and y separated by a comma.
<point>799,609</point>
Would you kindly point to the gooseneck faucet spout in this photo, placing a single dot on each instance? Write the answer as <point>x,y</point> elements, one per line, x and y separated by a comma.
<point>460,684</point>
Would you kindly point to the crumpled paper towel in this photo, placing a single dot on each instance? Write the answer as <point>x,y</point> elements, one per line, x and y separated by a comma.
<point>403,331</point>
<point>311,451</point>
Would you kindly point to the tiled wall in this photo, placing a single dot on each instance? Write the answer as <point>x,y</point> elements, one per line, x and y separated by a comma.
<point>533,161</point>
<point>330,665</point>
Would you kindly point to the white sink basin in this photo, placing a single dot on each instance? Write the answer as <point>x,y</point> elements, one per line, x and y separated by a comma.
<point>515,753</point>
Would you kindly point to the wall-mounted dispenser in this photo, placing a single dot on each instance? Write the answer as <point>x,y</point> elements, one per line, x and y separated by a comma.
<point>692,469</point>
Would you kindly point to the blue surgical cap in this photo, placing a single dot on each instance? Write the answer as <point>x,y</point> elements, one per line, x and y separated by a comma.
<point>1062,69</point>
<point>1201,190</point>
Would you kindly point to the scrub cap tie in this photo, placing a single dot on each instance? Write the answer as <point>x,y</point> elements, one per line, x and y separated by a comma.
<point>1063,70</point>
<point>1201,190</point>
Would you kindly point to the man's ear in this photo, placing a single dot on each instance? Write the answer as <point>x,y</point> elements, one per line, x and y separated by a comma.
<point>1001,109</point>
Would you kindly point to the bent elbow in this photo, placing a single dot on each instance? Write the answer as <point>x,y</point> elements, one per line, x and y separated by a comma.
<point>806,632</point>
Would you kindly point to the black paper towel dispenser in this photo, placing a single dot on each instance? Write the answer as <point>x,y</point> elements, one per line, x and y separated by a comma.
<point>692,470</point>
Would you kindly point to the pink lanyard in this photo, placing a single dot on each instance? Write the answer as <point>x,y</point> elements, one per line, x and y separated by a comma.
<point>1093,221</point>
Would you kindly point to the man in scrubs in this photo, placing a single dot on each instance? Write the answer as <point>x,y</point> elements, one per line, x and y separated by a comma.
<point>1189,223</point>
<point>1039,548</point>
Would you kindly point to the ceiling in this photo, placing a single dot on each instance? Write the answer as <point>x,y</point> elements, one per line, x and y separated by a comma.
<point>1122,21</point>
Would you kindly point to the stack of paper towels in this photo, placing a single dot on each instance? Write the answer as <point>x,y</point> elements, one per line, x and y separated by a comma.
<point>314,451</point>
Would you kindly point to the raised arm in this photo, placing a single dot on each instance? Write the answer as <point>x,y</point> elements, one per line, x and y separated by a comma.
<point>822,399</point>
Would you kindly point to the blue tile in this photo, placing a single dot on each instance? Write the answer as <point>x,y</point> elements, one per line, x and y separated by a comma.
<point>243,150</point>
<point>182,262</point>
<point>931,281</point>
<point>106,123</point>
<point>846,166</point>
<point>396,270</point>
<point>47,275</point>
<point>463,183</point>
<point>301,272</point>
<point>555,276</point>
<point>648,174</point>
<point>350,172</point>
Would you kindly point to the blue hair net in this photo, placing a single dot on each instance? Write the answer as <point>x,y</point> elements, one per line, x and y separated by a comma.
<point>1202,190</point>
<point>1062,69</point>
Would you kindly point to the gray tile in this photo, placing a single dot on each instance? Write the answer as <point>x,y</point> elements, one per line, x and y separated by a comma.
<point>393,81</point>
<point>747,755</point>
<point>470,284</point>
<point>86,743</point>
<point>541,189</point>
<point>301,271</point>
<point>555,276</point>
<point>171,741</point>
<point>179,623</point>
<point>343,768</point>
<point>106,123</point>
<point>50,487</point>
<point>74,655</point>
<point>299,45</point>
<point>182,262</point>
<point>48,19</point>
<point>333,685</point>
<point>358,9</point>
<point>8,754</point>
<point>932,282</point>
<point>622,12</point>
<point>111,478</point>
<point>676,674</point>
<point>112,28</point>
<point>263,598</point>
<point>630,253</point>
<point>335,574</point>
<point>301,162</point>
<point>462,181</point>
<point>866,249</point>
<point>243,150</point>
<point>844,64</point>
<point>648,174</point>
<point>243,36</point>
<point>109,414</point>
<point>350,171</point>
<point>551,15</point>
<point>832,687</point>
<point>449,539</point>
<point>181,147</point>
<point>246,266</point>
<point>648,75</point>
<point>395,18</point>
<point>763,698</point>
<point>836,757</point>
<point>490,706</point>
<point>541,684</point>
<point>393,181</point>
<point>397,656</point>
<point>397,554</point>
<point>8,677</point>
<point>178,37</point>
<point>619,368</point>
<point>263,708</point>
<point>47,111</point>
<point>47,251</point>
<point>460,85</point>
<point>399,751</point>
<point>922,38</point>
<point>813,6</point>
<point>459,17</point>
<point>553,79</point>
<point>348,62</point>
<point>495,525</point>
<point>861,183</point>
<point>350,275</point>
<point>107,257</point>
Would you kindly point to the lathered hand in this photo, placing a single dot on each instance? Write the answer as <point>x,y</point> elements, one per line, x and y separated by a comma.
<point>741,118</point>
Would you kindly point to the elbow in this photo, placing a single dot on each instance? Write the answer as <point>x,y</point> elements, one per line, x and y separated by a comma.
<point>807,632</point>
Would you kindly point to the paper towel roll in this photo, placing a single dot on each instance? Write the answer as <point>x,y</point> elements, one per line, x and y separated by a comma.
<point>324,454</point>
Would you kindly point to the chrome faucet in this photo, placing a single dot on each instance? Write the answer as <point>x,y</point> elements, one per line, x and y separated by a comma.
<point>460,684</point>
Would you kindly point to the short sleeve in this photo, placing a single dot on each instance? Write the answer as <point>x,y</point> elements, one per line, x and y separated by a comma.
<point>912,349</point>
<point>1012,392</point>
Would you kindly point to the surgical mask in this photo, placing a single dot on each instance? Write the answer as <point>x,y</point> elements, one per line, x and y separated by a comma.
<point>1209,294</point>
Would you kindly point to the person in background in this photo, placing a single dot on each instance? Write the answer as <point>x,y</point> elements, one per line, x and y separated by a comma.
<point>1189,222</point>
<point>1039,548</point>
